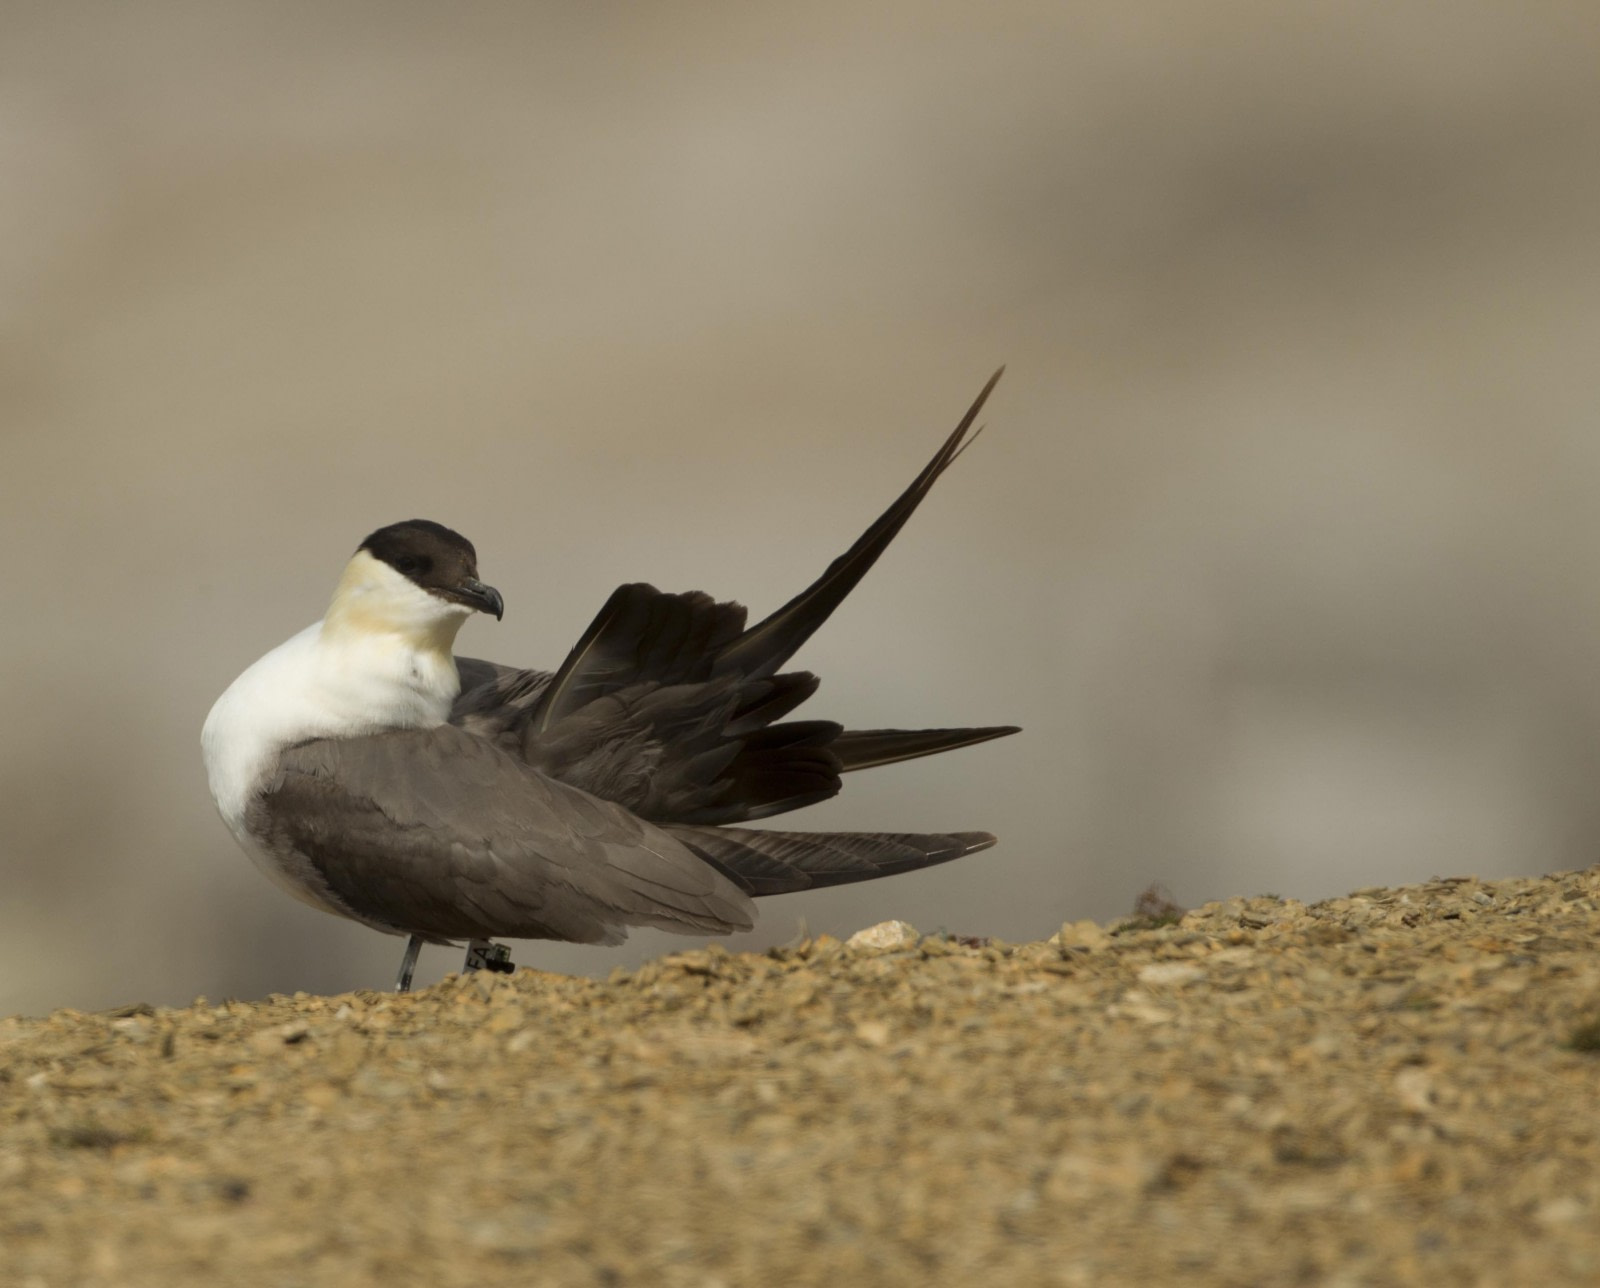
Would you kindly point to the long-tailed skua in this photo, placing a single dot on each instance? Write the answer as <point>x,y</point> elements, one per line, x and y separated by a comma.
<point>374,775</point>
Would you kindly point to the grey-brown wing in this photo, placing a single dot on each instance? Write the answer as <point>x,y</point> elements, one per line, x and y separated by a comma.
<point>439,833</point>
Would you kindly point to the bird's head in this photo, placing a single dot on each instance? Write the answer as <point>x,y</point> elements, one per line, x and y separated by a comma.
<point>417,579</point>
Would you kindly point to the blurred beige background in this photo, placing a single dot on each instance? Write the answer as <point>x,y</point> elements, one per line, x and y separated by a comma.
<point>1281,543</point>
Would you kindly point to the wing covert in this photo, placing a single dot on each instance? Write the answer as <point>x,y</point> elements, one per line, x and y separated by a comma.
<point>438,832</point>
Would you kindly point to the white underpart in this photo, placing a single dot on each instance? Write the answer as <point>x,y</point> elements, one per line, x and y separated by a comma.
<point>380,659</point>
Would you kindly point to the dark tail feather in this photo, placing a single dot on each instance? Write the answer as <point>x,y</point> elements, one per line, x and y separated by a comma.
<point>868,748</point>
<point>768,644</point>
<point>782,862</point>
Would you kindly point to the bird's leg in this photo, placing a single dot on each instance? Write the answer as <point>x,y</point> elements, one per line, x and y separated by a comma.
<point>408,963</point>
<point>484,954</point>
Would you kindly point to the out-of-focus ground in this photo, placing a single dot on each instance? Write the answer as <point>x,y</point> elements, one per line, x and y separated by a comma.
<point>1392,1088</point>
<point>1281,544</point>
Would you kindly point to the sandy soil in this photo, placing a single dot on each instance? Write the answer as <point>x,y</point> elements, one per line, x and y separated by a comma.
<point>1395,1087</point>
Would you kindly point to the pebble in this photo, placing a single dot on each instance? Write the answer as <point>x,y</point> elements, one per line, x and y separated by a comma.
<point>1082,935</point>
<point>886,936</point>
<point>1169,974</point>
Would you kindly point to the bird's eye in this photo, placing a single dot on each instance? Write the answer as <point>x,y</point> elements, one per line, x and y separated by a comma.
<point>408,564</point>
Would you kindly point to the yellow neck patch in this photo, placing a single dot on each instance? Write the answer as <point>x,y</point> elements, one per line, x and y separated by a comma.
<point>372,599</point>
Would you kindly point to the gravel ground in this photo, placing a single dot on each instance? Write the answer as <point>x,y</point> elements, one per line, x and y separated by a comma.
<point>1395,1087</point>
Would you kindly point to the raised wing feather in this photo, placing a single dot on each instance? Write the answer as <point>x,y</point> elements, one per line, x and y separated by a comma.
<point>771,642</point>
<point>667,705</point>
<point>640,635</point>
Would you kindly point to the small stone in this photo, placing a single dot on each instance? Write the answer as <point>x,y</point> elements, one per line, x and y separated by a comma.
<point>885,937</point>
<point>1562,1210</point>
<point>267,1041</point>
<point>505,1018</point>
<point>1084,936</point>
<point>1136,1006</point>
<point>1169,974</point>
<point>1413,1087</point>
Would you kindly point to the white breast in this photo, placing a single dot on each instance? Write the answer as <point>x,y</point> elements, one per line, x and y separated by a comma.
<point>314,686</point>
<point>381,659</point>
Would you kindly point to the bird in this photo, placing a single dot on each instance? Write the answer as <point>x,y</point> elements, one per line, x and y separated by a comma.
<point>373,774</point>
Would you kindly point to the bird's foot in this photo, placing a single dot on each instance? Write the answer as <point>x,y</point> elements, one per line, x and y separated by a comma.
<point>483,954</point>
